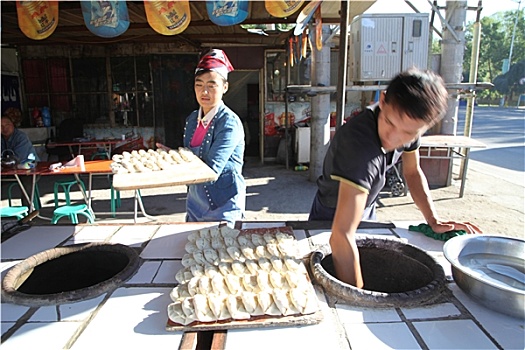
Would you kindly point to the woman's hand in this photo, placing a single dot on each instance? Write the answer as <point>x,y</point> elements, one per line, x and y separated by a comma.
<point>445,226</point>
<point>161,146</point>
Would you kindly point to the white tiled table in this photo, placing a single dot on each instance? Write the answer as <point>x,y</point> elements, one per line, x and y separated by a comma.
<point>134,315</point>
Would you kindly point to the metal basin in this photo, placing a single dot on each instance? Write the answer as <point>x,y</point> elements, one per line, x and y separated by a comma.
<point>491,269</point>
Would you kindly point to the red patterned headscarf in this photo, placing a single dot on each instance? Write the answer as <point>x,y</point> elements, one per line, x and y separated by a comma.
<point>217,61</point>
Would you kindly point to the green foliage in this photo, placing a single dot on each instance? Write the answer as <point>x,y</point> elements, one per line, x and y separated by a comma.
<point>496,37</point>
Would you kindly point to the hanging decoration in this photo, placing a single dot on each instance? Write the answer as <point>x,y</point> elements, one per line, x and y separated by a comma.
<point>106,19</point>
<point>227,13</point>
<point>168,17</point>
<point>304,45</point>
<point>305,15</point>
<point>37,19</point>
<point>282,8</point>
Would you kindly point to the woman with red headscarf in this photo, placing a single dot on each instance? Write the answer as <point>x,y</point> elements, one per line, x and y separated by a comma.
<point>215,134</point>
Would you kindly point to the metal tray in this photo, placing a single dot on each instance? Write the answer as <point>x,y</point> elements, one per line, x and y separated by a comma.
<point>491,269</point>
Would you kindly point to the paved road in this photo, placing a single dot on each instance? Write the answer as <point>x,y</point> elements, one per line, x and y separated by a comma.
<point>503,131</point>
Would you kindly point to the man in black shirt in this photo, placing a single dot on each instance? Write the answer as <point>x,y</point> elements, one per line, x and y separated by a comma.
<point>364,149</point>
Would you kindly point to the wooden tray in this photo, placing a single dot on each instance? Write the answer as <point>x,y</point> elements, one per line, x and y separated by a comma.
<point>255,321</point>
<point>193,172</point>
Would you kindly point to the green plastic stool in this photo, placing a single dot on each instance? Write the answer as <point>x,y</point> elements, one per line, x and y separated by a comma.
<point>66,186</point>
<point>115,201</point>
<point>36,202</point>
<point>71,211</point>
<point>101,155</point>
<point>18,212</point>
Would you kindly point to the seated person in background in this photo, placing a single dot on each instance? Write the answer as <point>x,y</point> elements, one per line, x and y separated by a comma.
<point>19,144</point>
<point>361,153</point>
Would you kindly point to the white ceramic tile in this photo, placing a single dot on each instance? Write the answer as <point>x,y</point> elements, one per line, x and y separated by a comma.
<point>320,237</point>
<point>167,271</point>
<point>320,336</point>
<point>53,335</point>
<point>133,318</point>
<point>146,272</point>
<point>354,314</point>
<point>134,236</point>
<point>453,334</point>
<point>432,311</point>
<point>6,326</point>
<point>380,336</point>
<point>93,234</point>
<point>78,311</point>
<point>35,240</point>
<point>375,231</point>
<point>506,330</point>
<point>417,238</point>
<point>12,312</point>
<point>169,241</point>
<point>302,242</point>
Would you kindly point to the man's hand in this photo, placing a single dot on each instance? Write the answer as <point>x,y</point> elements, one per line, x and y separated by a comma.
<point>161,146</point>
<point>445,226</point>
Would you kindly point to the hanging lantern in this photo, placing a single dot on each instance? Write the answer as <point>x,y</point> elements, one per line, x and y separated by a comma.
<point>227,13</point>
<point>168,17</point>
<point>282,8</point>
<point>37,19</point>
<point>107,19</point>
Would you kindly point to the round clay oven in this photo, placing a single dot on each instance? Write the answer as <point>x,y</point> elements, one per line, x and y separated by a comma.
<point>395,274</point>
<point>69,274</point>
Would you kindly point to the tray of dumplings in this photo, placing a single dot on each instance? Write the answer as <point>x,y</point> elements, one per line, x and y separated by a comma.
<point>242,279</point>
<point>158,168</point>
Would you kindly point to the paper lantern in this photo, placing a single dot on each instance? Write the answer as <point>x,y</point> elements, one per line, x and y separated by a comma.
<point>282,8</point>
<point>37,19</point>
<point>168,17</point>
<point>107,19</point>
<point>227,13</point>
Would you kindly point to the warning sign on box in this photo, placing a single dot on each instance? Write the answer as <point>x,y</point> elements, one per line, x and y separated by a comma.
<point>381,50</point>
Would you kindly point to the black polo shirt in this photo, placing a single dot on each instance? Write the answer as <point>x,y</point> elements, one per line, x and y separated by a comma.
<point>355,156</point>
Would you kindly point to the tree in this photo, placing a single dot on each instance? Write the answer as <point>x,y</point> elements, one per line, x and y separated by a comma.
<point>496,36</point>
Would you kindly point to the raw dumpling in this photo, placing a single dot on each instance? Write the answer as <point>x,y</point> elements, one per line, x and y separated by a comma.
<point>215,232</point>
<point>257,239</point>
<point>187,260</point>
<point>203,243</point>
<point>199,257</point>
<point>277,264</point>
<point>217,243</point>
<point>230,242</point>
<point>283,237</point>
<point>272,249</point>
<point>249,282</point>
<point>233,282</point>
<point>211,256</point>
<point>205,233</point>
<point>229,232</point>
<point>249,301</point>
<point>269,238</point>
<point>288,248</point>
<point>248,252</point>
<point>224,256</point>
<point>190,247</point>
<point>252,266</point>
<point>280,298</point>
<point>193,286</point>
<point>197,270</point>
<point>205,285</point>
<point>296,280</point>
<point>294,264</point>
<point>261,251</point>
<point>239,268</point>
<point>219,285</point>
<point>189,310</point>
<point>177,315</point>
<point>179,292</point>
<point>263,282</point>
<point>225,268</point>
<point>192,237</point>
<point>235,253</point>
<point>304,300</point>
<point>217,304</point>
<point>277,280</point>
<point>267,304</point>
<point>236,308</point>
<point>183,275</point>
<point>202,310</point>
<point>245,241</point>
<point>264,264</point>
<point>210,270</point>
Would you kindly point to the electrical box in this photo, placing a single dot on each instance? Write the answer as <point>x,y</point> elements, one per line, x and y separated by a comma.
<point>382,45</point>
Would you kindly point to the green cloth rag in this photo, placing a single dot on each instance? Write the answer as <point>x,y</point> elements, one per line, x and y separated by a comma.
<point>427,230</point>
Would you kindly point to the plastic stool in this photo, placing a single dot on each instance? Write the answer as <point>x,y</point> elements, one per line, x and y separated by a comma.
<point>66,185</point>
<point>36,202</point>
<point>71,212</point>
<point>18,212</point>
